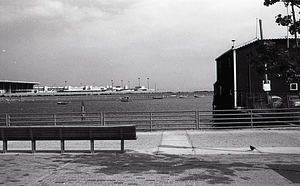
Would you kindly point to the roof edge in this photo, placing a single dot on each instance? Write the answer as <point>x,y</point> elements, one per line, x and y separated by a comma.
<point>25,82</point>
<point>249,43</point>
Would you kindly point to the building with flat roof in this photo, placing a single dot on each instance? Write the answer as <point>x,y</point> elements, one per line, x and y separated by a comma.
<point>8,87</point>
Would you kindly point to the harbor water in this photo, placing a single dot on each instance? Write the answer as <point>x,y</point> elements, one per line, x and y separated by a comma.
<point>105,103</point>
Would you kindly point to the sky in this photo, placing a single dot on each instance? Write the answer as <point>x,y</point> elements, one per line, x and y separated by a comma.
<point>174,43</point>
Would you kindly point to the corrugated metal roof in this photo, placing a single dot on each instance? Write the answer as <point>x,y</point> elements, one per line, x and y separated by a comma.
<point>249,43</point>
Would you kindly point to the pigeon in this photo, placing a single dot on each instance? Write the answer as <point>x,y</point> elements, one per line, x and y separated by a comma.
<point>251,147</point>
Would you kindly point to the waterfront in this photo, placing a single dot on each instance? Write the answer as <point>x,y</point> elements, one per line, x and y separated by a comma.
<point>104,103</point>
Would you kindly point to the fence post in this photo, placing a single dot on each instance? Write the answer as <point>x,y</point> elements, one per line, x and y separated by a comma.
<point>54,116</point>
<point>102,119</point>
<point>82,111</point>
<point>7,120</point>
<point>197,119</point>
<point>251,114</point>
<point>151,121</point>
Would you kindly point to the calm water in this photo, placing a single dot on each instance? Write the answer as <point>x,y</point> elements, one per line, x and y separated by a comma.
<point>102,103</point>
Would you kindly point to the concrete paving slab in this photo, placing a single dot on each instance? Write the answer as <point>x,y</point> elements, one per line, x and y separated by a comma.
<point>175,142</point>
<point>262,150</point>
<point>181,158</point>
<point>144,169</point>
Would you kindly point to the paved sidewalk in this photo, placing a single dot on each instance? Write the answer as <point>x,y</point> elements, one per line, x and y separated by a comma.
<point>230,142</point>
<point>175,142</point>
<point>191,157</point>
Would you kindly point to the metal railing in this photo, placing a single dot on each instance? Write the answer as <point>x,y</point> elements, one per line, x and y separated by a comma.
<point>163,120</point>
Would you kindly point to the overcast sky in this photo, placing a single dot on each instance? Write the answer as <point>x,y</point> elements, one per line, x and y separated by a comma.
<point>174,43</point>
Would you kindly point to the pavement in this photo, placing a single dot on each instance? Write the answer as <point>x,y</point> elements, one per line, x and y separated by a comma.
<point>181,157</point>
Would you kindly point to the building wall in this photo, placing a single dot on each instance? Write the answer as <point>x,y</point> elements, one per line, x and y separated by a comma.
<point>16,87</point>
<point>249,81</point>
<point>223,88</point>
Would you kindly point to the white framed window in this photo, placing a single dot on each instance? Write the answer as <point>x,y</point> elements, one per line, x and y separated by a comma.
<point>293,86</point>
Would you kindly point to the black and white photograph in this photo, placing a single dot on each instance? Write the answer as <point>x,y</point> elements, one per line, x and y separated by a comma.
<point>149,92</point>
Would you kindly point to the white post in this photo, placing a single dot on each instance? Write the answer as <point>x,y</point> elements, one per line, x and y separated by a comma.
<point>234,79</point>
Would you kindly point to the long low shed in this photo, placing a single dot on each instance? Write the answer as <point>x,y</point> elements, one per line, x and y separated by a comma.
<point>62,133</point>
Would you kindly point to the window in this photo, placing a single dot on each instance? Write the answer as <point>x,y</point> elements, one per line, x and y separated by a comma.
<point>294,86</point>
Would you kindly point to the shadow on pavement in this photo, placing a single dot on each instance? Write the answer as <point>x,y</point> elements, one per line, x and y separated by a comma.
<point>184,168</point>
<point>131,168</point>
<point>289,171</point>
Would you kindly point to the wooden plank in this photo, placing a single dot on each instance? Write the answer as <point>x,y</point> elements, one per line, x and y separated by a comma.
<point>16,133</point>
<point>76,133</point>
<point>30,134</point>
<point>122,139</point>
<point>4,146</point>
<point>2,134</point>
<point>122,146</point>
<point>46,133</point>
<point>60,134</point>
<point>92,146</point>
<point>92,141</point>
<point>62,146</point>
<point>33,146</point>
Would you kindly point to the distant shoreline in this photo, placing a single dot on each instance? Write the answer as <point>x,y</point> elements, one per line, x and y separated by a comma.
<point>102,96</point>
<point>91,93</point>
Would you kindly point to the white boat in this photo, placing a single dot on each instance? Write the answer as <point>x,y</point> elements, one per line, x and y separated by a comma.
<point>126,99</point>
<point>158,97</point>
<point>183,96</point>
<point>62,103</point>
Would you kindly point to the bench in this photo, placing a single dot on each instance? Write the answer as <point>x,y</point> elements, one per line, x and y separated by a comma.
<point>62,133</point>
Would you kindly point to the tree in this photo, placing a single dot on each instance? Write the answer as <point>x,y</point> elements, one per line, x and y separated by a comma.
<point>288,20</point>
<point>266,56</point>
<point>269,55</point>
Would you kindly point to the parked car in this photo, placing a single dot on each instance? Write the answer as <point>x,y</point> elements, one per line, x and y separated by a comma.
<point>294,101</point>
<point>277,101</point>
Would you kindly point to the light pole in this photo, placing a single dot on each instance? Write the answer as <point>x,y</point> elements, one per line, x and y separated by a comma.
<point>139,79</point>
<point>66,85</point>
<point>148,83</point>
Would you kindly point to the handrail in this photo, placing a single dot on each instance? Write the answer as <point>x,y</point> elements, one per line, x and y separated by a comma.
<point>157,120</point>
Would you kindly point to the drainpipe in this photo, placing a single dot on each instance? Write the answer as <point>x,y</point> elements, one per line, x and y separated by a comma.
<point>234,79</point>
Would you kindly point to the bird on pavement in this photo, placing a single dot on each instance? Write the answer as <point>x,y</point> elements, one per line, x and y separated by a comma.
<point>251,147</point>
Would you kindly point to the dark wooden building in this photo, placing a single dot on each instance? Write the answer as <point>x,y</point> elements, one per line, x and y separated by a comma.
<point>240,85</point>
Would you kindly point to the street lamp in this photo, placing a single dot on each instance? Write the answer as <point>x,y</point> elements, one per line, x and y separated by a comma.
<point>139,81</point>
<point>233,43</point>
<point>148,83</point>
<point>66,85</point>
